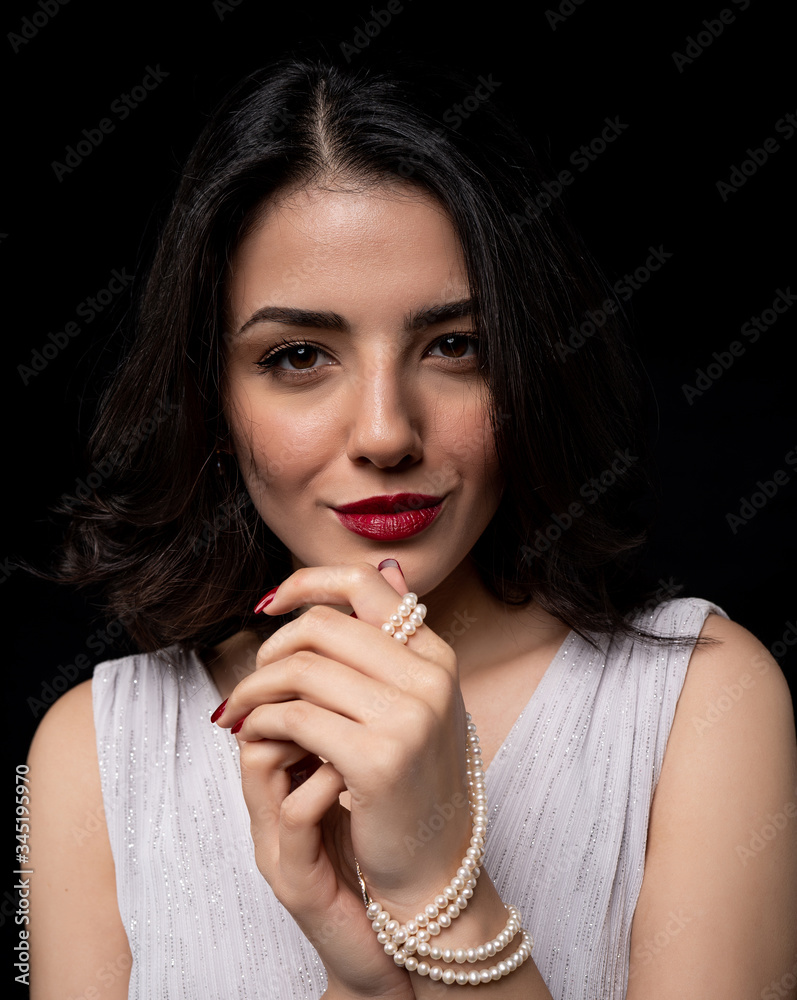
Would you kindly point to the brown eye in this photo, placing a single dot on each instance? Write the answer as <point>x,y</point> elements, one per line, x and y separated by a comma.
<point>456,345</point>
<point>302,357</point>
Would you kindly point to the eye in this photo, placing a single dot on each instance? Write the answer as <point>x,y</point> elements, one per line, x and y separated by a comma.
<point>458,344</point>
<point>299,355</point>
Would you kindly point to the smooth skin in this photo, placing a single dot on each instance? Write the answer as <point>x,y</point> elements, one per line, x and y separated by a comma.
<point>383,412</point>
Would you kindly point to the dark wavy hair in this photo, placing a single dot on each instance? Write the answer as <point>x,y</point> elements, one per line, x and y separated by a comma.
<point>179,548</point>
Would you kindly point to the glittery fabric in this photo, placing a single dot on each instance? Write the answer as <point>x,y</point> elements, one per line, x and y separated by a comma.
<point>569,791</point>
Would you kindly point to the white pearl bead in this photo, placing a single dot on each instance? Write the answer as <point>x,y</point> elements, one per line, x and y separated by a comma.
<point>474,978</point>
<point>423,969</point>
<point>436,952</point>
<point>448,955</point>
<point>453,911</point>
<point>400,637</point>
<point>411,926</point>
<point>403,610</point>
<point>423,948</point>
<point>484,976</point>
<point>411,964</point>
<point>433,928</point>
<point>410,598</point>
<point>420,609</point>
<point>459,955</point>
<point>440,902</point>
<point>373,911</point>
<point>416,619</point>
<point>470,955</point>
<point>390,629</point>
<point>444,920</point>
<point>436,973</point>
<point>408,628</point>
<point>461,978</point>
<point>449,977</point>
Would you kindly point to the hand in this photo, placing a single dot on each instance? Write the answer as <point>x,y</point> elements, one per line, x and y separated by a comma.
<point>389,722</point>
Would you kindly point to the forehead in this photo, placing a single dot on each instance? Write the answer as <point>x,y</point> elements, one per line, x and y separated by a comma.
<point>348,232</point>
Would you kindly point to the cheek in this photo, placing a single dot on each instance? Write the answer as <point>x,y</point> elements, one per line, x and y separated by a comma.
<point>467,436</point>
<point>276,446</point>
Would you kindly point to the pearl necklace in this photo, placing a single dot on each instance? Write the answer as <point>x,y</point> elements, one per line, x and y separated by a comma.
<point>404,940</point>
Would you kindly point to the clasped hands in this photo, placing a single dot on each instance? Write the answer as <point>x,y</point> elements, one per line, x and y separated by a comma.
<point>381,720</point>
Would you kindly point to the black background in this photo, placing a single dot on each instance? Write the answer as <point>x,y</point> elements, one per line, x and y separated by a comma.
<point>656,185</point>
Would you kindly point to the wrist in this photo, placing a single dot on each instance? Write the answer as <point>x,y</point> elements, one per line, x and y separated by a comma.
<point>336,991</point>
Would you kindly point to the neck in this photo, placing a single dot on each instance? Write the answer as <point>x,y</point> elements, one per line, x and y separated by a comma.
<point>481,629</point>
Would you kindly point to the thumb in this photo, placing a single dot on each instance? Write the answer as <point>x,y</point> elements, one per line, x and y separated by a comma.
<point>390,569</point>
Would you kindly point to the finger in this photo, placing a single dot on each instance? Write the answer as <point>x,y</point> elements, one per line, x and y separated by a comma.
<point>371,593</point>
<point>265,780</point>
<point>300,836</point>
<point>307,676</point>
<point>391,571</point>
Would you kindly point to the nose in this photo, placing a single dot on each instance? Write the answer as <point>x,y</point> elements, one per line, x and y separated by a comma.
<point>384,418</point>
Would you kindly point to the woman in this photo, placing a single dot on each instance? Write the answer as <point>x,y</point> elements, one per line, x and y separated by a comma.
<point>356,316</point>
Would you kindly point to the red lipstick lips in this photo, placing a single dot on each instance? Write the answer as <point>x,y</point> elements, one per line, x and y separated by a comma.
<point>390,518</point>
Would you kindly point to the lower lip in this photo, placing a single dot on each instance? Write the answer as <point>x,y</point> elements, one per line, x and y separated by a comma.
<point>389,527</point>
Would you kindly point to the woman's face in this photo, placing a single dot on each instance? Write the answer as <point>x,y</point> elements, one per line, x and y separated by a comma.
<point>379,395</point>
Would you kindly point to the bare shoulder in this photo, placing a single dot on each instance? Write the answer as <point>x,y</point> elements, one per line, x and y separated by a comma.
<point>76,933</point>
<point>718,905</point>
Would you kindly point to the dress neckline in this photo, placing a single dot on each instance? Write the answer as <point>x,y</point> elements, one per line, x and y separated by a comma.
<point>549,679</point>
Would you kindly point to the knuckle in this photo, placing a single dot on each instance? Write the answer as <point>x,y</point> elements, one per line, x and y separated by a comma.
<point>318,617</point>
<point>361,574</point>
<point>301,662</point>
<point>294,714</point>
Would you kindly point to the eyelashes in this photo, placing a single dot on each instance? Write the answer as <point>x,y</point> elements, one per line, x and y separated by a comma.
<point>306,351</point>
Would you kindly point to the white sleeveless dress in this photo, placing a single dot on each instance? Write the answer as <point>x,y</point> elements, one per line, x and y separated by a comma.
<point>569,792</point>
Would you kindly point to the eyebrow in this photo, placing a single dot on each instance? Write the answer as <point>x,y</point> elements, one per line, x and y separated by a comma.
<point>413,322</point>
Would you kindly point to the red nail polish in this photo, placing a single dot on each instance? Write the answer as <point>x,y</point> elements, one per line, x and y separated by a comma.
<point>237,727</point>
<point>218,713</point>
<point>353,615</point>
<point>389,562</point>
<point>266,600</point>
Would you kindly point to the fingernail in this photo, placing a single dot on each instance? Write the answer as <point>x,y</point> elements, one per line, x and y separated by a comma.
<point>266,600</point>
<point>387,563</point>
<point>218,713</point>
<point>237,727</point>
